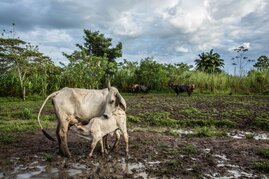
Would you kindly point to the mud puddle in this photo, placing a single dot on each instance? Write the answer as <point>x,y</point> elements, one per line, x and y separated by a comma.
<point>228,170</point>
<point>116,168</point>
<point>235,134</point>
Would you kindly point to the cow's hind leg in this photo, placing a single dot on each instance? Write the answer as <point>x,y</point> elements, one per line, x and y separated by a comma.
<point>61,133</point>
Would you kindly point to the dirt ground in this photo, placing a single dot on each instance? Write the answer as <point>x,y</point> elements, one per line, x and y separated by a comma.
<point>151,155</point>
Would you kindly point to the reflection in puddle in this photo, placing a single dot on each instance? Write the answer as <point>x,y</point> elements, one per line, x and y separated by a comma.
<point>138,169</point>
<point>37,170</point>
<point>86,168</point>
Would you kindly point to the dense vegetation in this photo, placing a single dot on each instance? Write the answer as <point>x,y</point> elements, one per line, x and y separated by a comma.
<point>26,71</point>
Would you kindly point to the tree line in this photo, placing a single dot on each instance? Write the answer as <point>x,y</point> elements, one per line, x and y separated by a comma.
<point>24,70</point>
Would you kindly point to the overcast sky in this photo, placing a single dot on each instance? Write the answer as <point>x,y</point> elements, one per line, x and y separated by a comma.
<point>171,31</point>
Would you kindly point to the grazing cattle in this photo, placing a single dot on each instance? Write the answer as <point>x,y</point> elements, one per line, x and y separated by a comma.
<point>183,88</point>
<point>73,105</point>
<point>99,127</point>
<point>136,88</point>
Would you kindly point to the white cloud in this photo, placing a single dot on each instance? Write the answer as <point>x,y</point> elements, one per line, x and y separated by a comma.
<point>181,49</point>
<point>187,16</point>
<point>127,25</point>
<point>47,36</point>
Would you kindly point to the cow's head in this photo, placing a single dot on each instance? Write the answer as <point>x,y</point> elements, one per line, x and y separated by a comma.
<point>135,88</point>
<point>113,100</point>
<point>192,86</point>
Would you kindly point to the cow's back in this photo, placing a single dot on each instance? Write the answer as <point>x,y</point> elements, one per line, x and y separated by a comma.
<point>82,103</point>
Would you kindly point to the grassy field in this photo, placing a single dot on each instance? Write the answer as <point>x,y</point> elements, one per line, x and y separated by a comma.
<point>154,110</point>
<point>202,117</point>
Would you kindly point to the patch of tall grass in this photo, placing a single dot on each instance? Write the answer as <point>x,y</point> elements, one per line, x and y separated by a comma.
<point>254,82</point>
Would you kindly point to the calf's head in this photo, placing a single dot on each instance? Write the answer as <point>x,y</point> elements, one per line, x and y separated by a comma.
<point>82,129</point>
<point>113,100</point>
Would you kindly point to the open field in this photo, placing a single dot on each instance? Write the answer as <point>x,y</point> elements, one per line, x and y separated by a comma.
<point>203,136</point>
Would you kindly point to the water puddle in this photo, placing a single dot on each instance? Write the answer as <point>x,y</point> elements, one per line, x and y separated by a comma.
<point>243,135</point>
<point>183,132</point>
<point>138,169</point>
<point>232,171</point>
<point>29,171</point>
<point>101,167</point>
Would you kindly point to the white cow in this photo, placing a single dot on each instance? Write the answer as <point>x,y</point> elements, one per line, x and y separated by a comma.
<point>73,105</point>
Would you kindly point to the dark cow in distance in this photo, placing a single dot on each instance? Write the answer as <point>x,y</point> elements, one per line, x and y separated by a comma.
<point>136,88</point>
<point>183,88</point>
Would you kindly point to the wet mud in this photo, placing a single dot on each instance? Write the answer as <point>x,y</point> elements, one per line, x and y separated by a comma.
<point>152,155</point>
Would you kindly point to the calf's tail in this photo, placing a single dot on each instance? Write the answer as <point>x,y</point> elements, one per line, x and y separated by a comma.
<point>38,117</point>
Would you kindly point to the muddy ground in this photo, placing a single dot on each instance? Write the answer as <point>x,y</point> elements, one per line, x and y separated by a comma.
<point>152,154</point>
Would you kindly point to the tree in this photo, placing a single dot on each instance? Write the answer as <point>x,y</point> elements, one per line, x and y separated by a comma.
<point>126,75</point>
<point>241,59</point>
<point>175,72</point>
<point>21,56</point>
<point>97,45</point>
<point>85,71</point>
<point>262,63</point>
<point>152,74</point>
<point>209,62</point>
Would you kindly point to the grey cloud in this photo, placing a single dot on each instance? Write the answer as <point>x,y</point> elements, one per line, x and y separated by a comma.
<point>225,24</point>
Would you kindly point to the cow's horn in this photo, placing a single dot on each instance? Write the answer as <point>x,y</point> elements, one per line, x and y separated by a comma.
<point>108,85</point>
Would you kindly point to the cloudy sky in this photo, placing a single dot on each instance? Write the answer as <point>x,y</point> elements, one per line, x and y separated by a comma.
<point>171,31</point>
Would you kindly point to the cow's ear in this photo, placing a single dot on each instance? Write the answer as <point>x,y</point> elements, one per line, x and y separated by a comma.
<point>121,102</point>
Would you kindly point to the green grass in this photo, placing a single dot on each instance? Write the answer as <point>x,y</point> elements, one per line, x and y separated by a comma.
<point>262,166</point>
<point>208,132</point>
<point>188,149</point>
<point>22,125</point>
<point>7,138</point>
<point>48,157</point>
<point>21,116</point>
<point>157,119</point>
<point>262,122</point>
<point>264,152</point>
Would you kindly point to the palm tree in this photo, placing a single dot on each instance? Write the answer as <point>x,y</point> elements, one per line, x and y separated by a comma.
<point>209,62</point>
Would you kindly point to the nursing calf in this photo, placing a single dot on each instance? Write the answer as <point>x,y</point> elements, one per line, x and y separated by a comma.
<point>99,127</point>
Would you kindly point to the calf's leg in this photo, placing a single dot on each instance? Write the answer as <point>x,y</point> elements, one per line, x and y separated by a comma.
<point>117,132</point>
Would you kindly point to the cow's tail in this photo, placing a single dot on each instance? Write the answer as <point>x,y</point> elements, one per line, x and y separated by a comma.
<point>38,117</point>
